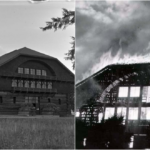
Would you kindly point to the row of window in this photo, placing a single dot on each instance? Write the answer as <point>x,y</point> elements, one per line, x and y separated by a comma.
<point>33,100</point>
<point>121,111</point>
<point>133,113</point>
<point>134,91</point>
<point>32,71</point>
<point>31,84</point>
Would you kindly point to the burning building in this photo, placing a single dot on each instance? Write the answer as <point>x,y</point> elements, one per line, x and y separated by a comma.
<point>29,79</point>
<point>121,89</point>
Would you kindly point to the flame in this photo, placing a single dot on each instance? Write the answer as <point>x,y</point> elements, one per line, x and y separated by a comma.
<point>108,59</point>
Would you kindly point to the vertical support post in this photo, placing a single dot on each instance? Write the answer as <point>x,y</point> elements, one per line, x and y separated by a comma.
<point>127,110</point>
<point>39,99</point>
<point>104,111</point>
<point>67,103</point>
<point>139,108</point>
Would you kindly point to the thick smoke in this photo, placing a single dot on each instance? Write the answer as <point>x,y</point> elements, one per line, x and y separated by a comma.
<point>107,32</point>
<point>86,91</point>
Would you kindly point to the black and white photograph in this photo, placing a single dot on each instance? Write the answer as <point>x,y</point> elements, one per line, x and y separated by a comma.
<point>37,74</point>
<point>112,74</point>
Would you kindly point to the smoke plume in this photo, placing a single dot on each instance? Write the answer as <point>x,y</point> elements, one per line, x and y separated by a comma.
<point>111,32</point>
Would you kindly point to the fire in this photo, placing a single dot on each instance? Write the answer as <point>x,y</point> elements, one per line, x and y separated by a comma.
<point>108,59</point>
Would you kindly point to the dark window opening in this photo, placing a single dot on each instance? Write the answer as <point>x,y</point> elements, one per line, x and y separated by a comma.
<point>59,101</point>
<point>1,99</point>
<point>14,100</point>
<point>49,100</point>
<point>34,104</point>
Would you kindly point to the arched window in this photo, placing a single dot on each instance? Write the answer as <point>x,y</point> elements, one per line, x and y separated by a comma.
<point>38,84</point>
<point>32,84</point>
<point>26,84</point>
<point>14,83</point>
<point>43,85</point>
<point>20,83</point>
<point>49,85</point>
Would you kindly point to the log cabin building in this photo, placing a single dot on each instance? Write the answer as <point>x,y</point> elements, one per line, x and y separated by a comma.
<point>29,79</point>
<point>124,89</point>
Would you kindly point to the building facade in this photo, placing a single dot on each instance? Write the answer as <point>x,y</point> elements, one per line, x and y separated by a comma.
<point>122,90</point>
<point>29,78</point>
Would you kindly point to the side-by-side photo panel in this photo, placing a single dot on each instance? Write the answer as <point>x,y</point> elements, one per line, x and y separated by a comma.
<point>37,74</point>
<point>112,75</point>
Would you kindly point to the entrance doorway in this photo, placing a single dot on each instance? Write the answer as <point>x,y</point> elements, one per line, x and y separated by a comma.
<point>34,103</point>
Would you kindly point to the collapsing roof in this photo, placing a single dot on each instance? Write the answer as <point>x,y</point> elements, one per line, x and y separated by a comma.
<point>118,70</point>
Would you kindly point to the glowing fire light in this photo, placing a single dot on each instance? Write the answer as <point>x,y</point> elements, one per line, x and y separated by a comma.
<point>108,59</point>
<point>77,114</point>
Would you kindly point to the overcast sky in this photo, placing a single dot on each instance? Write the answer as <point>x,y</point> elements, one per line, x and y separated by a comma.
<point>20,24</point>
<point>111,32</point>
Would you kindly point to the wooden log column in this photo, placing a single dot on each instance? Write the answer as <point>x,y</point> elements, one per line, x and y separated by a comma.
<point>127,110</point>
<point>139,108</point>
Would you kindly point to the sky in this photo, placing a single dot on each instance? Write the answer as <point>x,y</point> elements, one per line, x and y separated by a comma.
<point>110,32</point>
<point>20,23</point>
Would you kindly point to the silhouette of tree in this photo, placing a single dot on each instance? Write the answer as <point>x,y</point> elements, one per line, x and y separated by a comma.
<point>81,133</point>
<point>109,134</point>
<point>68,18</point>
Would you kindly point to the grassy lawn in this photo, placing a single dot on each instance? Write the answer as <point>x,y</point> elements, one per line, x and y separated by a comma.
<point>36,133</point>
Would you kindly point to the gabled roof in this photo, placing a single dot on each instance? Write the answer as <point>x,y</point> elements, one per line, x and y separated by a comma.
<point>23,51</point>
<point>27,51</point>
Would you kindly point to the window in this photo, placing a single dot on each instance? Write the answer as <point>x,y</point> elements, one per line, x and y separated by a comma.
<point>146,94</point>
<point>32,71</point>
<point>20,83</point>
<point>26,70</point>
<point>123,92</point>
<point>26,84</point>
<point>20,70</point>
<point>43,85</point>
<point>133,113</point>
<point>14,83</point>
<point>39,84</point>
<point>49,100</point>
<point>43,72</point>
<point>59,101</point>
<point>145,113</point>
<point>100,117</point>
<point>49,85</point>
<point>31,99</point>
<point>32,84</point>
<point>1,99</point>
<point>109,112</point>
<point>135,92</point>
<point>121,111</point>
<point>38,72</point>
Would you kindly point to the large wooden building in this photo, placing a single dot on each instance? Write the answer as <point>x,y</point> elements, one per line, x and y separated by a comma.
<point>123,90</point>
<point>30,80</point>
